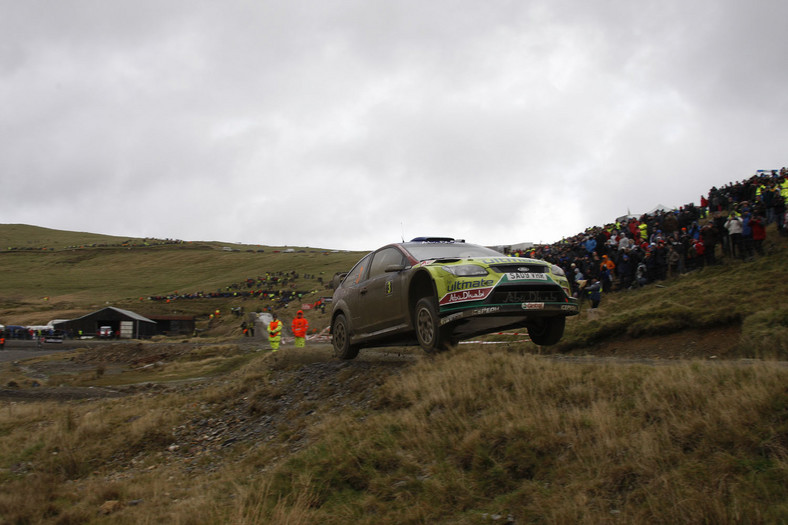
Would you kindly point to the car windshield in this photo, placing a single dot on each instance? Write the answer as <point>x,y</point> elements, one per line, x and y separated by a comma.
<point>423,251</point>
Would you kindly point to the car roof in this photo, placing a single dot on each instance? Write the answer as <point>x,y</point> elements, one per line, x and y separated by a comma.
<point>436,239</point>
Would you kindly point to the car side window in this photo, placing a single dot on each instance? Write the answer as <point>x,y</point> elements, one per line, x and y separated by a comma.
<point>356,275</point>
<point>383,259</point>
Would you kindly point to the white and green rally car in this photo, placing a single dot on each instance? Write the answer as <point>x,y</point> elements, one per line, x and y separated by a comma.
<point>437,291</point>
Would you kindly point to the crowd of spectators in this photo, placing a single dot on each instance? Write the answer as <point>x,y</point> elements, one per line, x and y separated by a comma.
<point>634,251</point>
<point>277,288</point>
<point>143,243</point>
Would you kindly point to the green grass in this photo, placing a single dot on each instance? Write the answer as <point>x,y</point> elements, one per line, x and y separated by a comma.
<point>26,237</point>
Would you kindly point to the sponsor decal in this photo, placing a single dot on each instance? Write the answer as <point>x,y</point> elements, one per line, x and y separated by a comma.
<point>509,260</point>
<point>533,306</point>
<point>524,276</point>
<point>569,307</point>
<point>466,285</point>
<point>486,310</point>
<point>467,295</point>
<point>388,287</point>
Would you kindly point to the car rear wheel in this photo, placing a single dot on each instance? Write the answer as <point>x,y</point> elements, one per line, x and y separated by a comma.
<point>547,331</point>
<point>431,336</point>
<point>340,338</point>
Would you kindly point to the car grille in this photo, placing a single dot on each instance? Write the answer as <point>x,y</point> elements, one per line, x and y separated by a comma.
<point>527,294</point>
<point>520,268</point>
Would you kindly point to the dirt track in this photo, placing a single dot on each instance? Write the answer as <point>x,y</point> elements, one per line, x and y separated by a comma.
<point>18,350</point>
<point>118,356</point>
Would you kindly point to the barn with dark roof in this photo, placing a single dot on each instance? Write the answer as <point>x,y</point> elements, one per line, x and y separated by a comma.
<point>125,323</point>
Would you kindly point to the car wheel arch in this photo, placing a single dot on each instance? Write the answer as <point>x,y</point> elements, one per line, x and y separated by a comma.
<point>336,313</point>
<point>421,285</point>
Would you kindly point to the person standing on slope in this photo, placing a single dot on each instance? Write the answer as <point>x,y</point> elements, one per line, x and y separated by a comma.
<point>594,291</point>
<point>274,333</point>
<point>299,326</point>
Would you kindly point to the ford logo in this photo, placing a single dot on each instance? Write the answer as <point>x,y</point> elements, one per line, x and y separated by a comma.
<point>523,269</point>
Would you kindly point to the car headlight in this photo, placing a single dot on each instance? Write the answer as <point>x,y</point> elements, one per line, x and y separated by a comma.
<point>466,270</point>
<point>557,270</point>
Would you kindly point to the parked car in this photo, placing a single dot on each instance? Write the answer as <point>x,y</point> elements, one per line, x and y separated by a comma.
<point>105,332</point>
<point>437,291</point>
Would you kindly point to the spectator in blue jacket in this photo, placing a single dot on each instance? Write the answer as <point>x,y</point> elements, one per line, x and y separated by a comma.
<point>594,291</point>
<point>590,245</point>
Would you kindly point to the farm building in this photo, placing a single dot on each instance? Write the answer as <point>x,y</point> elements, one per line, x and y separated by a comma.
<point>174,324</point>
<point>127,324</point>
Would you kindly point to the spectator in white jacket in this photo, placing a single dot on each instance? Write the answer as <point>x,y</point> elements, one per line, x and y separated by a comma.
<point>734,226</point>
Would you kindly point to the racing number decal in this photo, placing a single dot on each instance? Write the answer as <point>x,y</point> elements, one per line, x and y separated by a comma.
<point>388,287</point>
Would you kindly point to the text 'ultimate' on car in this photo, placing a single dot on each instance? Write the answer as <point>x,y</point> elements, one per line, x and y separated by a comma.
<point>436,291</point>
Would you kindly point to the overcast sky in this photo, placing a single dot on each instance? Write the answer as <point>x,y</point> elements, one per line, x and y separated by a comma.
<point>350,124</point>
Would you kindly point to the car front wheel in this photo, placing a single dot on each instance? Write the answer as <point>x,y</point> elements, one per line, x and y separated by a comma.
<point>431,336</point>
<point>547,331</point>
<point>340,338</point>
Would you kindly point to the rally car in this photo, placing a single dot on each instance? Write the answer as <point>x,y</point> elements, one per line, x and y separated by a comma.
<point>437,291</point>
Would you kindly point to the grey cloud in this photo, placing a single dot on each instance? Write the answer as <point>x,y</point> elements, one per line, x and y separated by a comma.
<point>444,117</point>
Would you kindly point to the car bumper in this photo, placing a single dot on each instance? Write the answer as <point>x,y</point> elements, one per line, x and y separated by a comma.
<point>524,310</point>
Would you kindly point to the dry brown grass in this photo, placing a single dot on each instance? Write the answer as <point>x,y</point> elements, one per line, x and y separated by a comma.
<point>472,433</point>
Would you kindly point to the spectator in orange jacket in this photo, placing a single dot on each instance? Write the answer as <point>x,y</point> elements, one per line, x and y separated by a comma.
<point>299,326</point>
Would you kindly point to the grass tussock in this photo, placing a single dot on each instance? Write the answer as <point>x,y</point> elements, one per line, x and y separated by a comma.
<point>766,333</point>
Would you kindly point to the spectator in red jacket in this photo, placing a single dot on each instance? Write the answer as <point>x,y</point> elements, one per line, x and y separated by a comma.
<point>757,225</point>
<point>300,326</point>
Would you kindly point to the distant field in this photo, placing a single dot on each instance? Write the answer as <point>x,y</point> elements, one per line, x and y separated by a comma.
<point>41,285</point>
<point>23,236</point>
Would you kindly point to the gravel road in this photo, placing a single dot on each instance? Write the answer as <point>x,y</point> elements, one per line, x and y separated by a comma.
<point>16,350</point>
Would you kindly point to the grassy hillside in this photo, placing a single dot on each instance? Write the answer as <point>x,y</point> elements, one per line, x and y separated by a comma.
<point>26,237</point>
<point>62,282</point>
<point>484,433</point>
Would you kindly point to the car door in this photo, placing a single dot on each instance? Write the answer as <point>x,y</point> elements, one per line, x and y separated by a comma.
<point>383,294</point>
<point>351,286</point>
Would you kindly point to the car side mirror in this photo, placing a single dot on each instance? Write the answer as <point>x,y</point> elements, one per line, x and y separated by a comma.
<point>395,268</point>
